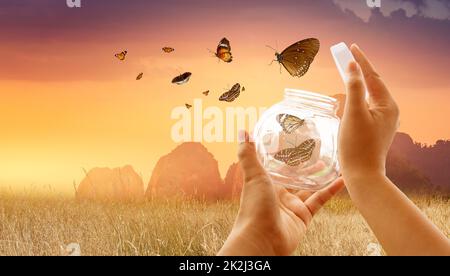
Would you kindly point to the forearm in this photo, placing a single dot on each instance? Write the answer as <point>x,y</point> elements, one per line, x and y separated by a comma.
<point>399,225</point>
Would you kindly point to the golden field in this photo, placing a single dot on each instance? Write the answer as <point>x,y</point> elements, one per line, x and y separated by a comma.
<point>44,225</point>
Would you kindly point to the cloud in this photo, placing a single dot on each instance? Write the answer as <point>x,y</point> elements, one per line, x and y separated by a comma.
<point>434,9</point>
<point>437,9</point>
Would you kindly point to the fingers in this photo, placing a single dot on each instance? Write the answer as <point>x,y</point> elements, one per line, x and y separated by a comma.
<point>296,206</point>
<point>317,200</point>
<point>379,94</point>
<point>250,164</point>
<point>355,89</point>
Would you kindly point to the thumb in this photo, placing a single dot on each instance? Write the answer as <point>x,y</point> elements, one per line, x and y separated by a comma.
<point>247,158</point>
<point>355,88</point>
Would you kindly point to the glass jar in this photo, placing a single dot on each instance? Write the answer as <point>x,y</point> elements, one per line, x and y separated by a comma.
<point>296,140</point>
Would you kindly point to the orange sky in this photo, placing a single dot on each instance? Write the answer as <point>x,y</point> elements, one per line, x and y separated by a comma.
<point>67,104</point>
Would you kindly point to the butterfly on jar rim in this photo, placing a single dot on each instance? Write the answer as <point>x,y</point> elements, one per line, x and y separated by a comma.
<point>182,79</point>
<point>289,123</point>
<point>121,56</point>
<point>298,57</point>
<point>223,51</point>
<point>168,50</point>
<point>231,94</point>
<point>298,155</point>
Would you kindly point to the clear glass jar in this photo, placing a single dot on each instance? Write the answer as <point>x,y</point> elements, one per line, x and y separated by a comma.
<point>296,140</point>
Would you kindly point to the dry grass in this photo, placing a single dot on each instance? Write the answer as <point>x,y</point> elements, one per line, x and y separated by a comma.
<point>39,225</point>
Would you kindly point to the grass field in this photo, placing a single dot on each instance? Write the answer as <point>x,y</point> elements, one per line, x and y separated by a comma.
<point>43,225</point>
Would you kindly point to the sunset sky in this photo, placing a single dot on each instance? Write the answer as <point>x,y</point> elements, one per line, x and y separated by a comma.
<point>66,103</point>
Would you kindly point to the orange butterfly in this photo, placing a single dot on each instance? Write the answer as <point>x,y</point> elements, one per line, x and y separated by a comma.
<point>121,56</point>
<point>223,51</point>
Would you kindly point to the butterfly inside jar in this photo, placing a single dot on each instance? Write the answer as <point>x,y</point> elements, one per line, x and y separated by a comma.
<point>295,154</point>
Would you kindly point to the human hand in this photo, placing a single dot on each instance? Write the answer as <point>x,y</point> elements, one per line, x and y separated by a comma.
<point>366,134</point>
<point>271,220</point>
<point>367,130</point>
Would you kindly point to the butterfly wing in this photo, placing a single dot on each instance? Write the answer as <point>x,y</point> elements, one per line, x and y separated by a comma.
<point>295,156</point>
<point>289,123</point>
<point>298,57</point>
<point>306,149</point>
<point>182,79</point>
<point>168,49</point>
<point>225,56</point>
<point>224,44</point>
<point>232,94</point>
<point>289,156</point>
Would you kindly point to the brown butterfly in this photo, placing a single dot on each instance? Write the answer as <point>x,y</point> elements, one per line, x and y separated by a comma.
<point>289,123</point>
<point>168,49</point>
<point>298,57</point>
<point>206,93</point>
<point>223,51</point>
<point>231,94</point>
<point>140,76</point>
<point>243,88</point>
<point>121,56</point>
<point>182,79</point>
<point>295,156</point>
<point>188,106</point>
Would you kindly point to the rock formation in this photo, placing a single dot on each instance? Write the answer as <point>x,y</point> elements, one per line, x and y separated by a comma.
<point>105,184</point>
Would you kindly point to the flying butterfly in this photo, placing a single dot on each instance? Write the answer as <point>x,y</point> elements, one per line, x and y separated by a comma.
<point>223,51</point>
<point>231,94</point>
<point>298,57</point>
<point>295,156</point>
<point>243,88</point>
<point>121,56</point>
<point>188,106</point>
<point>206,93</point>
<point>182,79</point>
<point>139,76</point>
<point>168,50</point>
<point>289,123</point>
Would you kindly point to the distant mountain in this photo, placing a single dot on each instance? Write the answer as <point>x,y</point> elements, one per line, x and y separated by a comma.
<point>234,181</point>
<point>105,184</point>
<point>189,170</point>
<point>433,162</point>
